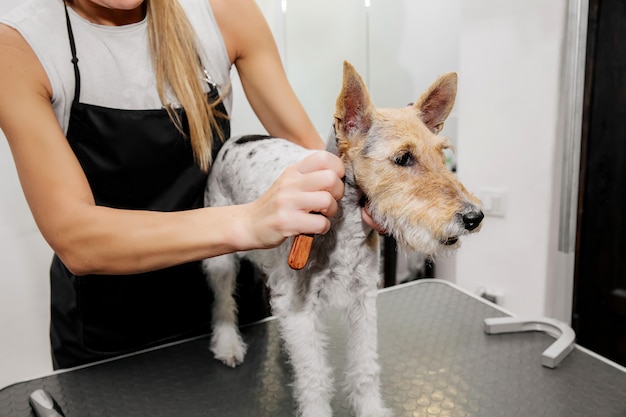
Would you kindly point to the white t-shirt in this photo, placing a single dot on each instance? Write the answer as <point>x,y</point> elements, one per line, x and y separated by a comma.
<point>114,61</point>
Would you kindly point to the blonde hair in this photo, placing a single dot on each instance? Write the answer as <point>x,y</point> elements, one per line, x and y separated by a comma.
<point>177,64</point>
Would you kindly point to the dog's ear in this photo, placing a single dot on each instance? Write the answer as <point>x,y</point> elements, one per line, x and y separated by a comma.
<point>353,111</point>
<point>436,103</point>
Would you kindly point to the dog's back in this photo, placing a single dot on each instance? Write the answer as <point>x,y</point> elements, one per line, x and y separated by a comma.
<point>246,166</point>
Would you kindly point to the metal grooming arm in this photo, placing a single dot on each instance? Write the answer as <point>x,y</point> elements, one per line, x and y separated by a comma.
<point>554,354</point>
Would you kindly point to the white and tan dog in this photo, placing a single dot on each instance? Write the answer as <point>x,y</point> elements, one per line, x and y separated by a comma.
<point>395,164</point>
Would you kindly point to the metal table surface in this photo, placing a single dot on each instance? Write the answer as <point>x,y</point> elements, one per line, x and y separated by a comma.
<point>436,361</point>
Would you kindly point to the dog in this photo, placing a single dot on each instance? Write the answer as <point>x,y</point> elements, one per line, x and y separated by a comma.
<point>395,166</point>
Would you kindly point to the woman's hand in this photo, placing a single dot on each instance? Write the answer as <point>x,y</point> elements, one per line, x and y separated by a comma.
<point>293,203</point>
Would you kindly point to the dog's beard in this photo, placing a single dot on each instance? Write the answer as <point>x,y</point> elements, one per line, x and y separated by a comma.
<point>416,237</point>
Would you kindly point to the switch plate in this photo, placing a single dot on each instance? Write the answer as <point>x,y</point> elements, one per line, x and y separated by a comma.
<point>494,201</point>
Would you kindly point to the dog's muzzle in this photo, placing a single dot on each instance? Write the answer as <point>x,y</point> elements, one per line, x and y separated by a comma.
<point>471,221</point>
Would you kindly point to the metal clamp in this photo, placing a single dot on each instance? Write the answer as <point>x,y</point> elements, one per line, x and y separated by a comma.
<point>553,355</point>
<point>207,79</point>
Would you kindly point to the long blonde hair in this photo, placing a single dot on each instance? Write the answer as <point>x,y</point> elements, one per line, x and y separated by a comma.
<point>176,61</point>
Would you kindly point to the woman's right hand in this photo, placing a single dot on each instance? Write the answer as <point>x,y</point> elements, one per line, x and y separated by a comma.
<point>294,202</point>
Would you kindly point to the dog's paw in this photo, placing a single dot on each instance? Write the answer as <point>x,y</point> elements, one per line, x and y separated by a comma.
<point>228,346</point>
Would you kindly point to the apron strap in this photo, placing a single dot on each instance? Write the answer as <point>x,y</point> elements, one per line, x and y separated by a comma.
<point>74,57</point>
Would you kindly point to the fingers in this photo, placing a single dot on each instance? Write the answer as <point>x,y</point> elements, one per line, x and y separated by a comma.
<point>309,224</point>
<point>312,185</point>
<point>317,204</point>
<point>317,180</point>
<point>320,188</point>
<point>320,161</point>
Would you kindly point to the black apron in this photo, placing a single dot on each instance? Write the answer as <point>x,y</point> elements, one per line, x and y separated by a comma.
<point>136,159</point>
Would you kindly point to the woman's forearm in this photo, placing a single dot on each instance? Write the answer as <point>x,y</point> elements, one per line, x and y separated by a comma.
<point>113,241</point>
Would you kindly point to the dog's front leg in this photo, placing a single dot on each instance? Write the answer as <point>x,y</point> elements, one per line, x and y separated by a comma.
<point>226,342</point>
<point>305,341</point>
<point>362,368</point>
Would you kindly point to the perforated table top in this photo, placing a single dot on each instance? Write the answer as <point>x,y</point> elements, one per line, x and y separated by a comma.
<point>436,361</point>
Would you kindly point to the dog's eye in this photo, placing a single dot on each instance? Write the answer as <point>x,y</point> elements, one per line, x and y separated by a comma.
<point>404,160</point>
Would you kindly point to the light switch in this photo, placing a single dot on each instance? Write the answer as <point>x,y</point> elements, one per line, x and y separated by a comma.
<point>494,201</point>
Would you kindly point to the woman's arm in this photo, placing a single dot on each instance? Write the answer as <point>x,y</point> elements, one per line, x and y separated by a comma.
<point>93,239</point>
<point>251,47</point>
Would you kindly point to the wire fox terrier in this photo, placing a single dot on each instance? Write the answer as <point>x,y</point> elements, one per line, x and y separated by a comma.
<point>395,165</point>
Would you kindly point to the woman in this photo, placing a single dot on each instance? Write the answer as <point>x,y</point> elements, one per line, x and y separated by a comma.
<point>113,170</point>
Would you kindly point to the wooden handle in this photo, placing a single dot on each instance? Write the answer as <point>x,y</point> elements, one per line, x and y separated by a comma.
<point>300,250</point>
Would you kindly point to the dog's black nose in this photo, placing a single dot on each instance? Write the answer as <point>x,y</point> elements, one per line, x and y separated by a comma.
<point>472,219</point>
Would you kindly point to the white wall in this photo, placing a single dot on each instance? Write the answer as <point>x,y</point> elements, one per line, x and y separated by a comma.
<point>510,58</point>
<point>243,119</point>
<point>398,46</point>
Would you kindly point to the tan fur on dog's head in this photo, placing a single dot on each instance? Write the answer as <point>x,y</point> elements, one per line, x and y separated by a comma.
<point>396,158</point>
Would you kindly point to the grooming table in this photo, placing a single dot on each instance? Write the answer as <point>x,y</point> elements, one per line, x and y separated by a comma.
<point>436,358</point>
